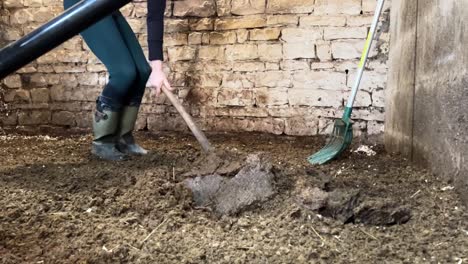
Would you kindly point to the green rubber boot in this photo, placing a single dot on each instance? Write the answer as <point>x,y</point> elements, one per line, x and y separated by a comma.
<point>105,126</point>
<point>126,143</point>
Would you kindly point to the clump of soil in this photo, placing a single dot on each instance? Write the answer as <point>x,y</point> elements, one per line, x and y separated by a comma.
<point>60,205</point>
<point>349,206</point>
<point>253,184</point>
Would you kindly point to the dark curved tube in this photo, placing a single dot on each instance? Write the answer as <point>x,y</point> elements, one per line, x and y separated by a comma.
<point>55,32</point>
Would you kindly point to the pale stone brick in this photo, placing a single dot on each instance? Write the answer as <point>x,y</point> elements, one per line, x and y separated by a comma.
<point>282,111</point>
<point>135,9</point>
<point>88,79</point>
<point>368,6</point>
<point>299,51</point>
<point>73,44</point>
<point>103,78</point>
<point>314,97</point>
<point>72,106</point>
<point>321,65</point>
<point>65,68</point>
<point>301,35</point>
<point>63,118</point>
<point>251,66</point>
<point>175,39</point>
<point>272,66</point>
<point>17,96</point>
<point>175,25</point>
<point>368,114</point>
<point>206,38</point>
<point>202,24</point>
<point>247,112</point>
<point>273,79</point>
<point>12,81</point>
<point>378,66</point>
<point>325,126</point>
<point>265,34</point>
<point>12,3</point>
<point>294,65</point>
<point>4,16</point>
<point>27,69</point>
<point>225,37</point>
<point>375,128</point>
<point>230,97</point>
<point>370,81</point>
<point>67,80</point>
<point>197,8</point>
<point>359,21</point>
<point>22,16</point>
<point>253,21</point>
<point>363,99</point>
<point>319,80</point>
<point>290,6</point>
<point>178,79</point>
<point>328,112</point>
<point>247,7</point>
<point>39,117</point>
<point>12,34</point>
<point>52,3</point>
<point>130,8</point>
<point>9,119</point>
<point>195,38</point>
<point>71,56</point>
<point>301,126</point>
<point>359,128</point>
<point>270,52</point>
<point>84,119</point>
<point>332,33</point>
<point>242,35</point>
<point>45,69</point>
<point>271,96</point>
<point>223,7</point>
<point>96,68</point>
<point>166,123</point>
<point>181,53</point>
<point>211,53</point>
<point>324,52</point>
<point>241,52</point>
<point>213,66</point>
<point>378,98</point>
<point>238,80</point>
<point>266,125</point>
<point>282,20</point>
<point>346,65</point>
<point>330,7</point>
<point>38,80</point>
<point>207,80</point>
<point>347,50</point>
<point>40,95</point>
<point>314,21</point>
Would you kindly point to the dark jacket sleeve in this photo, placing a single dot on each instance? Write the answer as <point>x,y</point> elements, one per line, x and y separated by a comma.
<point>155,21</point>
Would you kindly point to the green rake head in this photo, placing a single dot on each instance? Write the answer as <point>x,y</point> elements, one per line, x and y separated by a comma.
<point>340,139</point>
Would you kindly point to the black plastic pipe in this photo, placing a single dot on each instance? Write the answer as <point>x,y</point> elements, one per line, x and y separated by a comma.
<point>55,32</point>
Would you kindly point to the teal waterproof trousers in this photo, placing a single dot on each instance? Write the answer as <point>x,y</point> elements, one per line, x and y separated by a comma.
<point>114,43</point>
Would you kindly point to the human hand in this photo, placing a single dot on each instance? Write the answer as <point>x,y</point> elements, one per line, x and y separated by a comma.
<point>158,78</point>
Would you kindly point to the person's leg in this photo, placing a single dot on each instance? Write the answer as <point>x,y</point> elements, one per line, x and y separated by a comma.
<point>131,107</point>
<point>105,41</point>
<point>137,91</point>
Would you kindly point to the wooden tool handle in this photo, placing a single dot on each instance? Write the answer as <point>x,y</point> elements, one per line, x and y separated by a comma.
<point>189,121</point>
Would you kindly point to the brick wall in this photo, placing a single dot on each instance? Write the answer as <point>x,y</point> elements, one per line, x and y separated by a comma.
<point>276,66</point>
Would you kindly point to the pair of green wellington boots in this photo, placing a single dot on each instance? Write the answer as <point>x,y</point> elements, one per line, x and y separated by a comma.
<point>113,138</point>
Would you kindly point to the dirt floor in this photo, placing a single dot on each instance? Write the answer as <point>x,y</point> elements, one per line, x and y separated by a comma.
<point>60,205</point>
